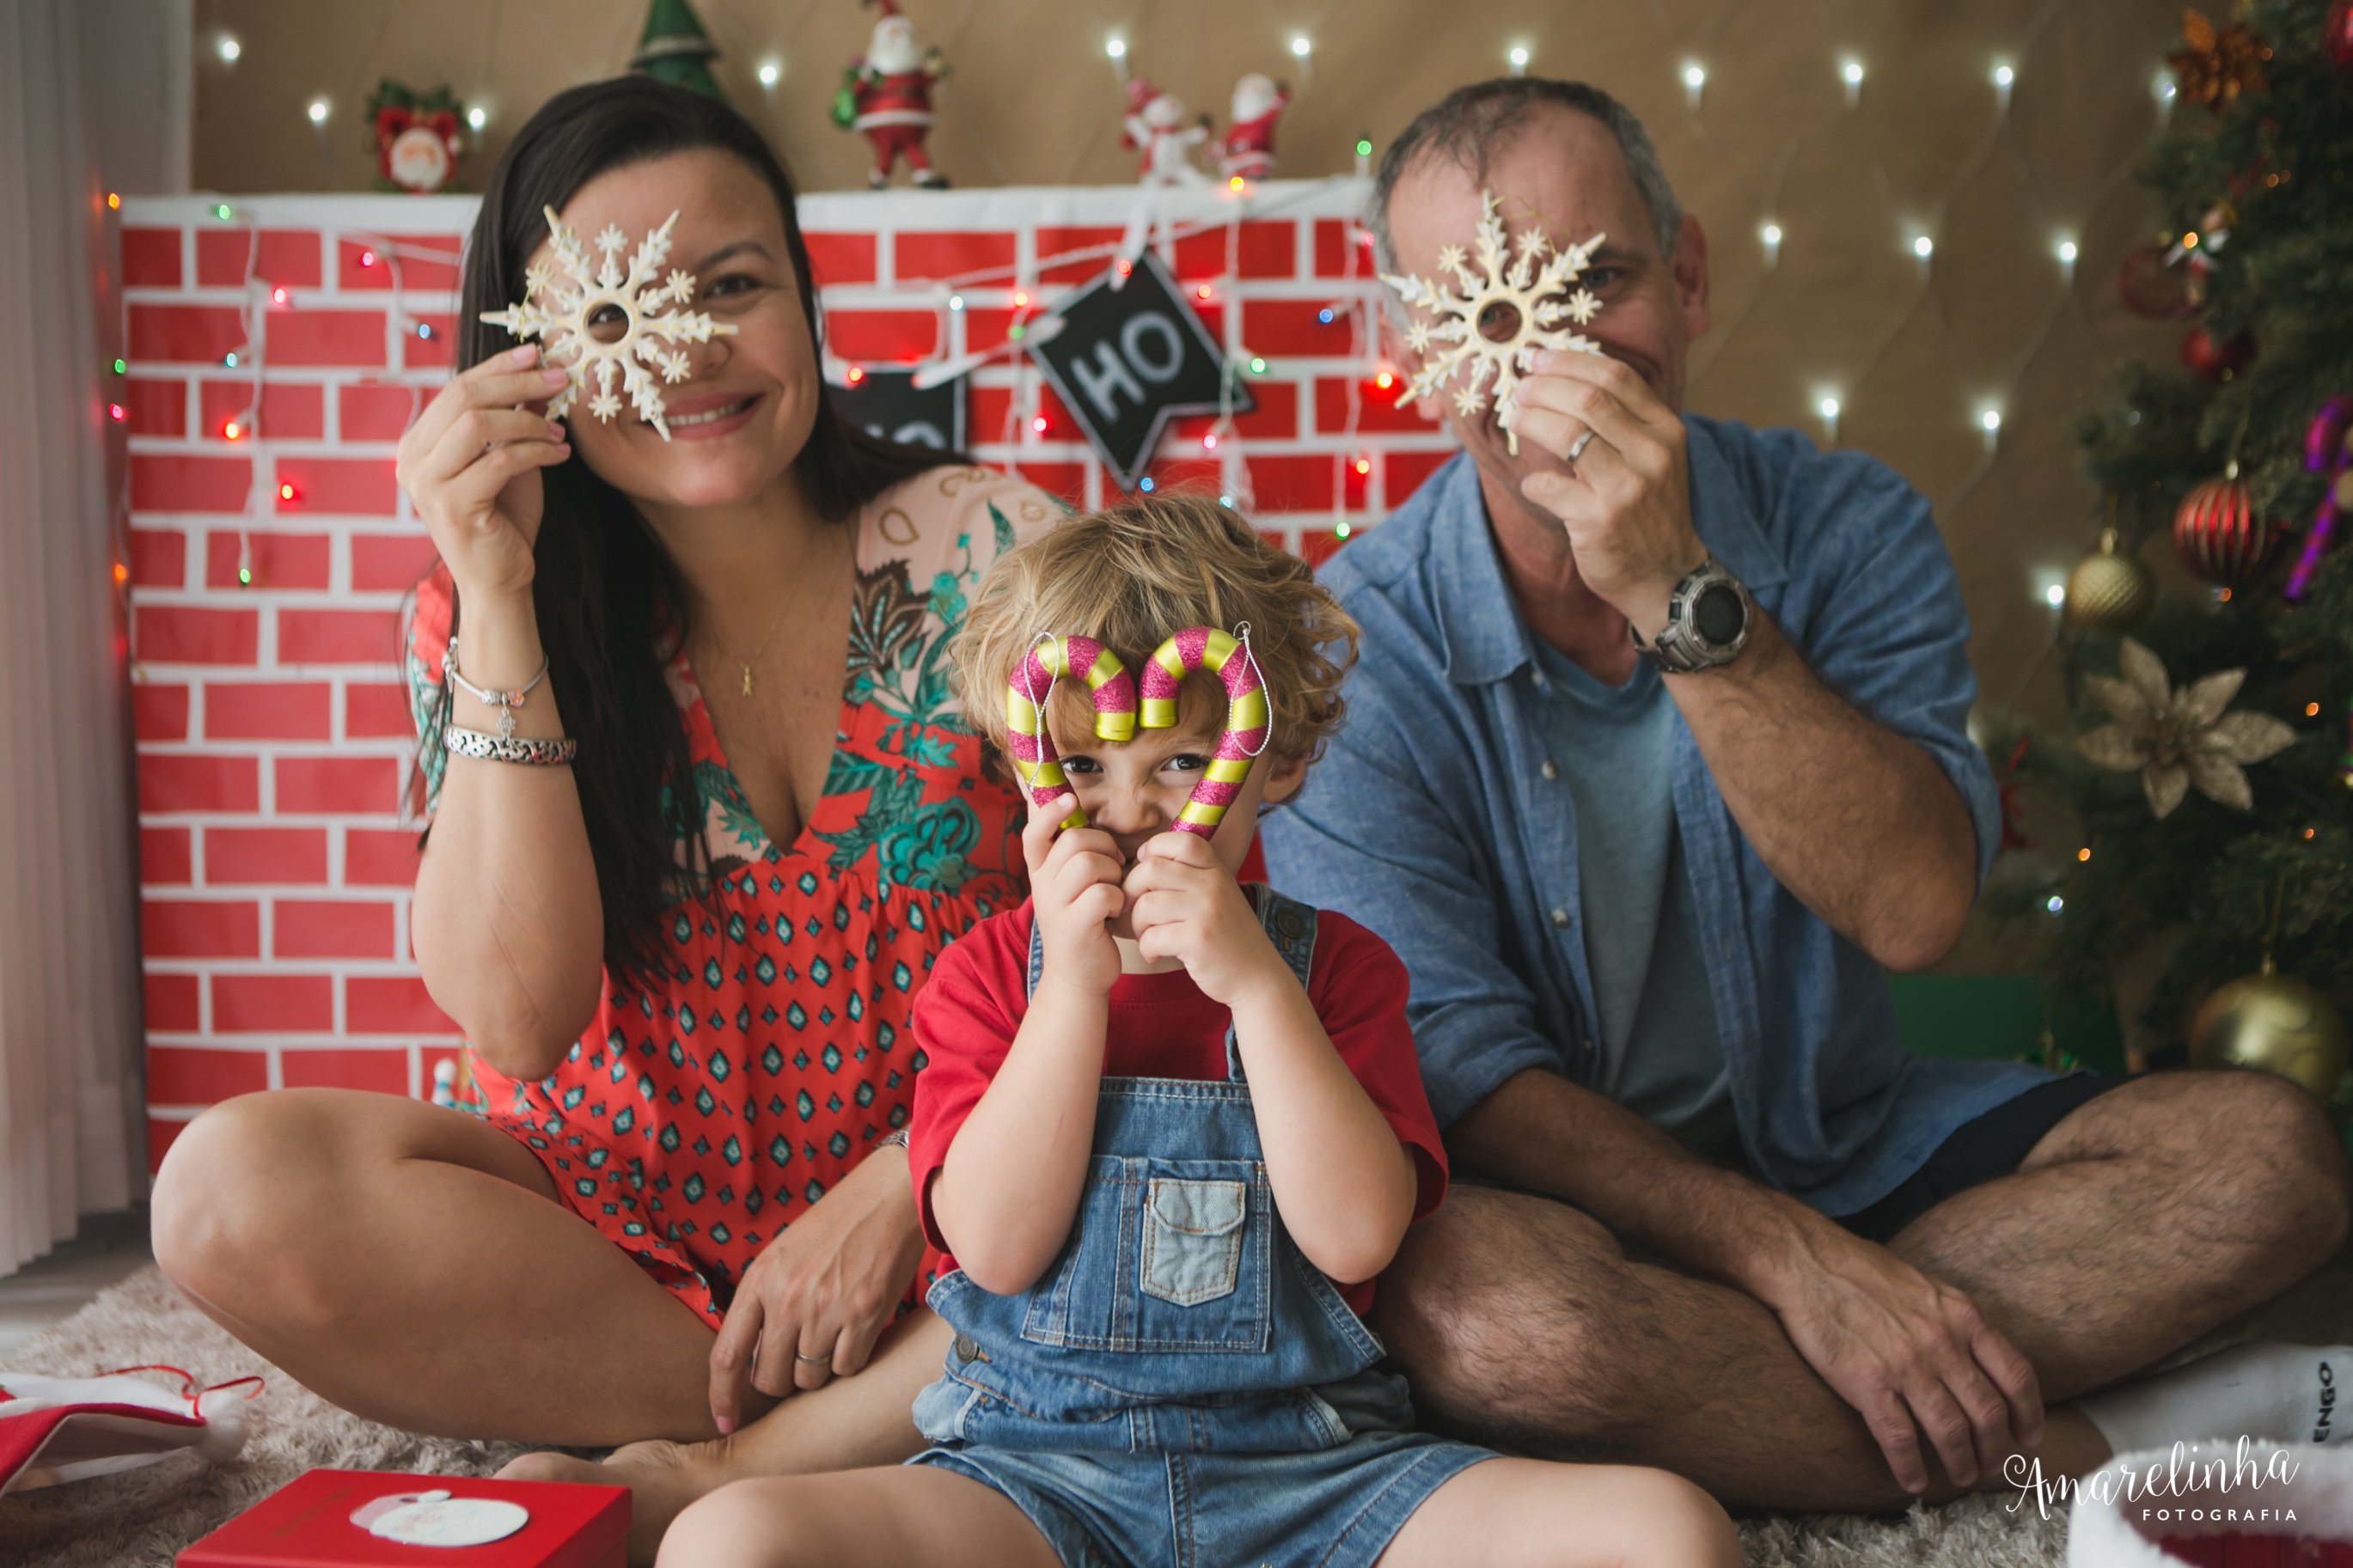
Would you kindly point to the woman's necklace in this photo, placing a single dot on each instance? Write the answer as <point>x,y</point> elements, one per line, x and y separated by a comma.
<point>766,638</point>
<point>769,635</point>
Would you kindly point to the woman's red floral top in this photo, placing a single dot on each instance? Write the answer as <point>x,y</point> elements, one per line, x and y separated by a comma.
<point>698,1118</point>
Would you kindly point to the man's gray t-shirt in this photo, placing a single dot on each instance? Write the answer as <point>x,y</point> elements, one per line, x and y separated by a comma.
<point>1658,1051</point>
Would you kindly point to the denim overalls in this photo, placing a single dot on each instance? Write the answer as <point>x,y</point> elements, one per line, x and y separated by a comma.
<point>1182,1388</point>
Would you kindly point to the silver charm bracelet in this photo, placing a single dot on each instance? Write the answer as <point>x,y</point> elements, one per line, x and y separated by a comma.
<point>506,702</point>
<point>489,748</point>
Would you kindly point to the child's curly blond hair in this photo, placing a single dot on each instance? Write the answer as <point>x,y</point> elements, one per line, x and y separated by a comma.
<point>1135,574</point>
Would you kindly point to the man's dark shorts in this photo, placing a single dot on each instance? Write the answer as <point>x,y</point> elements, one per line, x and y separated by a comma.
<point>1977,1152</point>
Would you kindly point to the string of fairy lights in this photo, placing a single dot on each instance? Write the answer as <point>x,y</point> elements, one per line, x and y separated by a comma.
<point>1830,403</point>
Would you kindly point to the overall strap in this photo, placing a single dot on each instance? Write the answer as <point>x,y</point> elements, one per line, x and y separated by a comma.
<point>1291,926</point>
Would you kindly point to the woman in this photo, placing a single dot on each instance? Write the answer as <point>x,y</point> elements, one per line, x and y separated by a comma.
<point>682,958</point>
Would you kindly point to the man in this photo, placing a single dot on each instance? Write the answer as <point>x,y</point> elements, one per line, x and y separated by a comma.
<point>1645,885</point>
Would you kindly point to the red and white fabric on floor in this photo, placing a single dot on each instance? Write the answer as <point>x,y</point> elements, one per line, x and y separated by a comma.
<point>60,1430</point>
<point>2216,1504</point>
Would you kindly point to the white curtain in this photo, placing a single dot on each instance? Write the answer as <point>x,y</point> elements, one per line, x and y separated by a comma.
<point>92,99</point>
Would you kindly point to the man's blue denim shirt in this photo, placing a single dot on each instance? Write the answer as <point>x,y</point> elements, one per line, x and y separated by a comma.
<point>1431,820</point>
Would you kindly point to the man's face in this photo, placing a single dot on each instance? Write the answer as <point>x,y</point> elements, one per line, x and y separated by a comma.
<point>1561,172</point>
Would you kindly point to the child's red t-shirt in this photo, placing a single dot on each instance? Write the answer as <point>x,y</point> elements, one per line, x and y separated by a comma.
<point>1161,1027</point>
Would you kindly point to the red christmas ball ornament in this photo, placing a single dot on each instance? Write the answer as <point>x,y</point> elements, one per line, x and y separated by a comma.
<point>2216,362</point>
<point>2216,533</point>
<point>2336,37</point>
<point>2150,288</point>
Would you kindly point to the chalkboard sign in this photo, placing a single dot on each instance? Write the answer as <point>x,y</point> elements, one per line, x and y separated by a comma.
<point>886,403</point>
<point>1128,360</point>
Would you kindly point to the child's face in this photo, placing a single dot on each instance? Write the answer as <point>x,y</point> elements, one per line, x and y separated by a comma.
<point>1135,789</point>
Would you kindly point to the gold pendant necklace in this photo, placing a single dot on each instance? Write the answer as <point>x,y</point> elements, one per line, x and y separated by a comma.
<point>769,635</point>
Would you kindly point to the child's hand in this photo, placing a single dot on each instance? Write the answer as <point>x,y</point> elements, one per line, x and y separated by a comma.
<point>1186,905</point>
<point>1075,894</point>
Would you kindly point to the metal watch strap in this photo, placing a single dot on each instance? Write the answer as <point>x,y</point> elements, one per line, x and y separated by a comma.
<point>1680,649</point>
<point>489,748</point>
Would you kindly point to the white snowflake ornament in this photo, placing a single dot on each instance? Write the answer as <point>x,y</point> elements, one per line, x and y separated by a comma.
<point>1526,283</point>
<point>652,334</point>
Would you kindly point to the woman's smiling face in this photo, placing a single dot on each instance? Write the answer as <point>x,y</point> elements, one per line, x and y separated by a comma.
<point>745,410</point>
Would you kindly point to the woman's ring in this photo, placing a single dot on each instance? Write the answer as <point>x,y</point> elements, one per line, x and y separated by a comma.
<point>1579,445</point>
<point>814,1359</point>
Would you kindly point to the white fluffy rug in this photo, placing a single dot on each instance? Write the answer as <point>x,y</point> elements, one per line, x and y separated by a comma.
<point>143,1517</point>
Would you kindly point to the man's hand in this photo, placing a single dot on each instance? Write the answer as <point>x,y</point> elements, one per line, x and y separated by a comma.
<point>1186,906</point>
<point>1074,895</point>
<point>1626,498</point>
<point>812,1303</point>
<point>1903,1347</point>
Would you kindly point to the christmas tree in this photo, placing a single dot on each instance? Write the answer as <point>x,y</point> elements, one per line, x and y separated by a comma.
<point>674,49</point>
<point>2216,819</point>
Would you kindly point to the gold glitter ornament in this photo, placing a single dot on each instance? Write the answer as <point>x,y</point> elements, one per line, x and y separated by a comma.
<point>2277,1024</point>
<point>2109,590</point>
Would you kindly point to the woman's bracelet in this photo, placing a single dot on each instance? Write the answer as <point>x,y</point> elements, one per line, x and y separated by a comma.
<point>492,748</point>
<point>506,702</point>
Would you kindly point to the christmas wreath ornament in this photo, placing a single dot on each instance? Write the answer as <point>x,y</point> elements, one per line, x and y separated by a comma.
<point>1518,285</point>
<point>2217,65</point>
<point>2109,590</point>
<point>415,136</point>
<point>2216,533</point>
<point>566,328</point>
<point>2179,738</point>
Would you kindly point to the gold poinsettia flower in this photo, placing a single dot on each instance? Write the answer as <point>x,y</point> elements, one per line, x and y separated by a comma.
<point>2179,737</point>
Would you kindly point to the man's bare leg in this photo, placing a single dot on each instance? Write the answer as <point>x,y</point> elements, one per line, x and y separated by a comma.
<point>411,1265</point>
<point>2144,1218</point>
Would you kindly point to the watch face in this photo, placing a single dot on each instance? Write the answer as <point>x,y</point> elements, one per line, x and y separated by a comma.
<point>1716,614</point>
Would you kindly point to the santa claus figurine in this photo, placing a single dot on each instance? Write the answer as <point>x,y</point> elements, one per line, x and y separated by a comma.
<point>1156,125</point>
<point>1247,151</point>
<point>887,98</point>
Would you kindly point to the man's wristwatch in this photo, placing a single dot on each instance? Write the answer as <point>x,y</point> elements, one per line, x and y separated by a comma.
<point>1708,617</point>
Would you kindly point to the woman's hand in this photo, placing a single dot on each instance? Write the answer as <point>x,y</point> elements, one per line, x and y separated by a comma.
<point>471,465</point>
<point>1074,894</point>
<point>813,1302</point>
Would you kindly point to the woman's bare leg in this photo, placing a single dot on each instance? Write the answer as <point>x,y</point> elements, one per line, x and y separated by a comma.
<point>1530,1513</point>
<point>881,1518</point>
<point>850,1424</point>
<point>411,1263</point>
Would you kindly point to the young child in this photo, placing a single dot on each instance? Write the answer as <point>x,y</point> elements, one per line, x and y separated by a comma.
<point>1169,1130</point>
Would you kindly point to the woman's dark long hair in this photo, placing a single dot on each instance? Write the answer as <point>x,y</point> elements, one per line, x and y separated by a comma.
<point>605,589</point>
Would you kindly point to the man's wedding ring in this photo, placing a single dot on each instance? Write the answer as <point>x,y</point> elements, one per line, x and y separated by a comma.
<point>1579,445</point>
<point>814,1359</point>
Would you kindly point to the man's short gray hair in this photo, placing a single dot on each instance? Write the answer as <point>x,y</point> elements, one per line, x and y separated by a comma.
<point>1470,125</point>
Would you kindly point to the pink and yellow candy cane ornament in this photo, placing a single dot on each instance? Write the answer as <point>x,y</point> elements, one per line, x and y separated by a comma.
<point>1052,657</point>
<point>1248,720</point>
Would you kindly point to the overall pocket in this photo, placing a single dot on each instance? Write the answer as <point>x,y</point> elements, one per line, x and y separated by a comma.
<point>1193,1238</point>
<point>1167,1255</point>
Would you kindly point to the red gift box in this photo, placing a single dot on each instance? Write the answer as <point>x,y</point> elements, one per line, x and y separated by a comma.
<point>307,1523</point>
